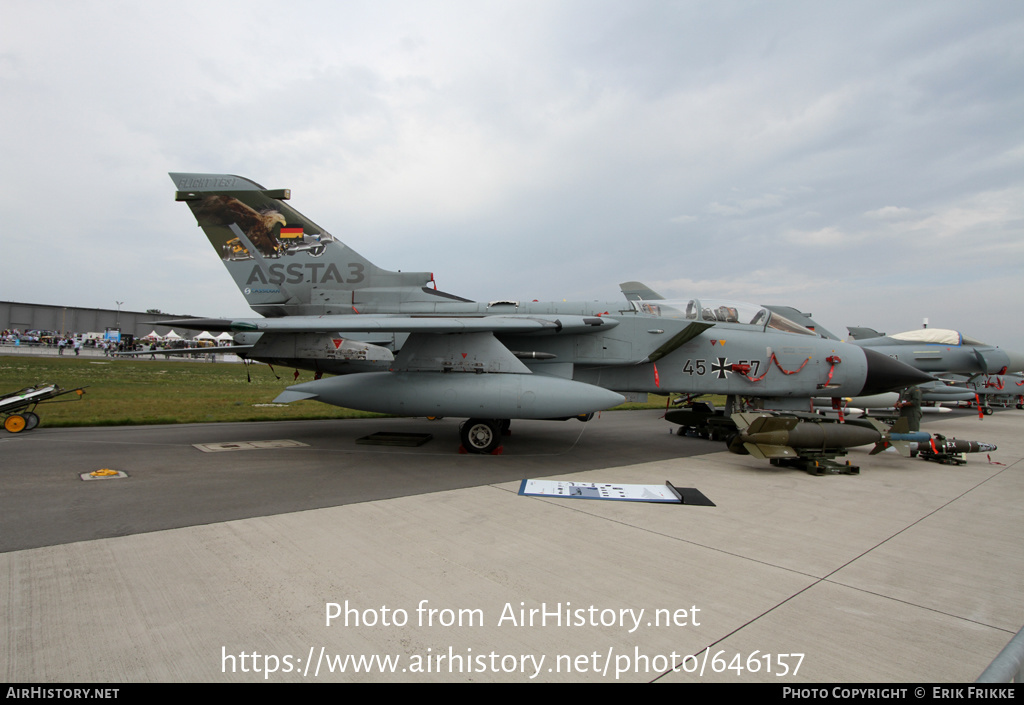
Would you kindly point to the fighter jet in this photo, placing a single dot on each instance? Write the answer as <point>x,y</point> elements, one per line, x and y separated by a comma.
<point>959,362</point>
<point>983,391</point>
<point>401,346</point>
<point>938,350</point>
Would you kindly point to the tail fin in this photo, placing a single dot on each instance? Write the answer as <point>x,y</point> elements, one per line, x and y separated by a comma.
<point>638,291</point>
<point>284,263</point>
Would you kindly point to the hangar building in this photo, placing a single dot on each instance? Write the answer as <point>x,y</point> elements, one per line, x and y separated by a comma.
<point>74,319</point>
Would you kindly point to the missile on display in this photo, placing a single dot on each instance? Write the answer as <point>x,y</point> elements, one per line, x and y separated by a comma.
<point>948,451</point>
<point>813,444</point>
<point>776,437</point>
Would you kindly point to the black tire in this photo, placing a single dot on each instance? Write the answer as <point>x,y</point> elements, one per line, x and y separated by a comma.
<point>480,435</point>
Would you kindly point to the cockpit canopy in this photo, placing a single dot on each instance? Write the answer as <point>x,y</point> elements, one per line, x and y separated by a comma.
<point>720,311</point>
<point>936,336</point>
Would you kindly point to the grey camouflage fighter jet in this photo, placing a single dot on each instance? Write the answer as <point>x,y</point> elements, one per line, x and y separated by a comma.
<point>401,346</point>
<point>969,370</point>
<point>939,350</point>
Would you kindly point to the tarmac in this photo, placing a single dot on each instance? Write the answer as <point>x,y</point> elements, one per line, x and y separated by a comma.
<point>323,560</point>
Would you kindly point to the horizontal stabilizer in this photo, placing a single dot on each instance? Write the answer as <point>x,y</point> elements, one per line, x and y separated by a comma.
<point>289,395</point>
<point>188,351</point>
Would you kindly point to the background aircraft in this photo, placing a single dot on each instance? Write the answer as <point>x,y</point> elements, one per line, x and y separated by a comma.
<point>969,370</point>
<point>939,350</point>
<point>984,391</point>
<point>401,346</point>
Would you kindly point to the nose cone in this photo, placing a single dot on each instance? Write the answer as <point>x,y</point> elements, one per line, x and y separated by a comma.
<point>886,374</point>
<point>1016,361</point>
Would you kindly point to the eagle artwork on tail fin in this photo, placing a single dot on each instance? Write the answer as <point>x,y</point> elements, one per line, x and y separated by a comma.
<point>258,226</point>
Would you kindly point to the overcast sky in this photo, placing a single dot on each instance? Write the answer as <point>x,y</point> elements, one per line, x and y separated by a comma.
<point>863,161</point>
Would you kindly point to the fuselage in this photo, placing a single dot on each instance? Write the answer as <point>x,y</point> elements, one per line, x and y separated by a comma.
<point>725,358</point>
<point>945,351</point>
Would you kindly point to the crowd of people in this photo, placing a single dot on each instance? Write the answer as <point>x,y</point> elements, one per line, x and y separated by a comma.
<point>75,342</point>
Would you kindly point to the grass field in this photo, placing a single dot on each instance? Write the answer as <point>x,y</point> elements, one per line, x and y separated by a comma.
<point>129,392</point>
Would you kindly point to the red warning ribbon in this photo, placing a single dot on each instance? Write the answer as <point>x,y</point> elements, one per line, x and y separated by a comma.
<point>781,368</point>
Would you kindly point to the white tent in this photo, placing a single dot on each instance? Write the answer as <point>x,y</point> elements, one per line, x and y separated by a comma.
<point>172,336</point>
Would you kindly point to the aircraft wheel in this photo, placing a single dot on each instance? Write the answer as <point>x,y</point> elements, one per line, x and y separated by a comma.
<point>987,411</point>
<point>585,417</point>
<point>31,420</point>
<point>480,435</point>
<point>15,423</point>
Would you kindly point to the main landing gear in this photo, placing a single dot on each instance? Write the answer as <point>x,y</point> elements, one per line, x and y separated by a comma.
<point>483,435</point>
